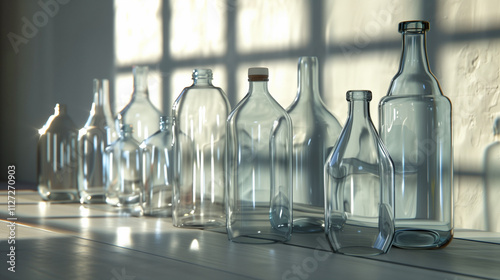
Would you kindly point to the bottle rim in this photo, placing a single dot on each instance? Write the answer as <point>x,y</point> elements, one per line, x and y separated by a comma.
<point>358,95</point>
<point>414,25</point>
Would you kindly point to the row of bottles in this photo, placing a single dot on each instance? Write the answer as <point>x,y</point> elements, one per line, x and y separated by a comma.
<point>210,166</point>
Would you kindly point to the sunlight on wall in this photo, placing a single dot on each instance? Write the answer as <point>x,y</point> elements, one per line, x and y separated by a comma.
<point>138,31</point>
<point>197,29</point>
<point>472,15</point>
<point>272,25</point>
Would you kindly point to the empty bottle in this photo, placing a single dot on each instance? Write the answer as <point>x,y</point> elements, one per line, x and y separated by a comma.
<point>415,126</point>
<point>491,167</point>
<point>200,112</point>
<point>158,164</point>
<point>124,184</point>
<point>140,112</point>
<point>259,166</point>
<point>315,131</point>
<point>92,142</point>
<point>359,186</point>
<point>57,157</point>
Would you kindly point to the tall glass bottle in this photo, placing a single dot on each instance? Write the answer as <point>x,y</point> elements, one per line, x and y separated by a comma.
<point>200,112</point>
<point>124,182</point>
<point>491,167</point>
<point>415,126</point>
<point>315,131</point>
<point>92,142</point>
<point>159,163</point>
<point>259,166</point>
<point>57,158</point>
<point>359,186</point>
<point>140,112</point>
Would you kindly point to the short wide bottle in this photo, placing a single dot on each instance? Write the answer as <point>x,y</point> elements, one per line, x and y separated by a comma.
<point>57,164</point>
<point>359,186</point>
<point>259,167</point>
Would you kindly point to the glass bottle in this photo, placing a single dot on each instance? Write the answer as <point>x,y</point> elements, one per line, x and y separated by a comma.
<point>123,161</point>
<point>92,142</point>
<point>159,163</point>
<point>415,126</point>
<point>315,131</point>
<point>491,167</point>
<point>200,114</point>
<point>57,157</point>
<point>259,166</point>
<point>359,186</point>
<point>140,112</point>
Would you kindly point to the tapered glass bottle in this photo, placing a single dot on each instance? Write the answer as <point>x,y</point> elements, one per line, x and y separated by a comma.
<point>359,186</point>
<point>259,166</point>
<point>140,112</point>
<point>124,181</point>
<point>92,142</point>
<point>57,160</point>
<point>491,168</point>
<point>415,126</point>
<point>315,131</point>
<point>159,163</point>
<point>200,112</point>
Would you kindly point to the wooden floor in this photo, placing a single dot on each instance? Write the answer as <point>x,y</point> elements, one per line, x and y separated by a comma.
<point>70,241</point>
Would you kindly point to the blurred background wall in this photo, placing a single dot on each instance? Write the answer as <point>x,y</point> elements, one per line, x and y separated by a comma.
<point>52,49</point>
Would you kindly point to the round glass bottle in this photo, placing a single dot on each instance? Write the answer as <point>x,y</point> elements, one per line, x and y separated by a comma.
<point>92,142</point>
<point>415,126</point>
<point>491,167</point>
<point>315,131</point>
<point>200,112</point>
<point>259,166</point>
<point>359,186</point>
<point>159,163</point>
<point>57,158</point>
<point>140,112</point>
<point>123,161</point>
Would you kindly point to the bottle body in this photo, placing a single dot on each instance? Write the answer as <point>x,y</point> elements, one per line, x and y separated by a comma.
<point>159,163</point>
<point>140,112</point>
<point>124,185</point>
<point>57,158</point>
<point>315,132</point>
<point>200,112</point>
<point>259,168</point>
<point>359,186</point>
<point>92,142</point>
<point>415,126</point>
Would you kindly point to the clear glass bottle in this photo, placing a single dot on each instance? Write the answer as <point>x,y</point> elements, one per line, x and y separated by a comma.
<point>259,166</point>
<point>415,126</point>
<point>315,132</point>
<point>92,142</point>
<point>159,164</point>
<point>359,186</point>
<point>200,114</point>
<point>140,112</point>
<point>57,160</point>
<point>491,168</point>
<point>124,182</point>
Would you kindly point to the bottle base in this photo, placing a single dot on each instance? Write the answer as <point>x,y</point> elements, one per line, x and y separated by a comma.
<point>200,222</point>
<point>258,239</point>
<point>58,195</point>
<point>92,198</point>
<point>308,225</point>
<point>359,251</point>
<point>422,238</point>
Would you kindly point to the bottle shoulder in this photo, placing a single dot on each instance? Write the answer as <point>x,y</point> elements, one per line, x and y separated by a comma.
<point>258,109</point>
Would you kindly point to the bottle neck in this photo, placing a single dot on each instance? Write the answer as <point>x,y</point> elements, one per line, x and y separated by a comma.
<point>258,88</point>
<point>202,81</point>
<point>414,56</point>
<point>140,83</point>
<point>359,111</point>
<point>307,80</point>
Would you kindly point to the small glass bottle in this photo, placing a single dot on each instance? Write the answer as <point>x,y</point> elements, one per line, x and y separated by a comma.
<point>315,131</point>
<point>140,112</point>
<point>259,166</point>
<point>92,142</point>
<point>159,163</point>
<point>491,167</point>
<point>359,186</point>
<point>200,114</point>
<point>415,126</point>
<point>123,161</point>
<point>57,157</point>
